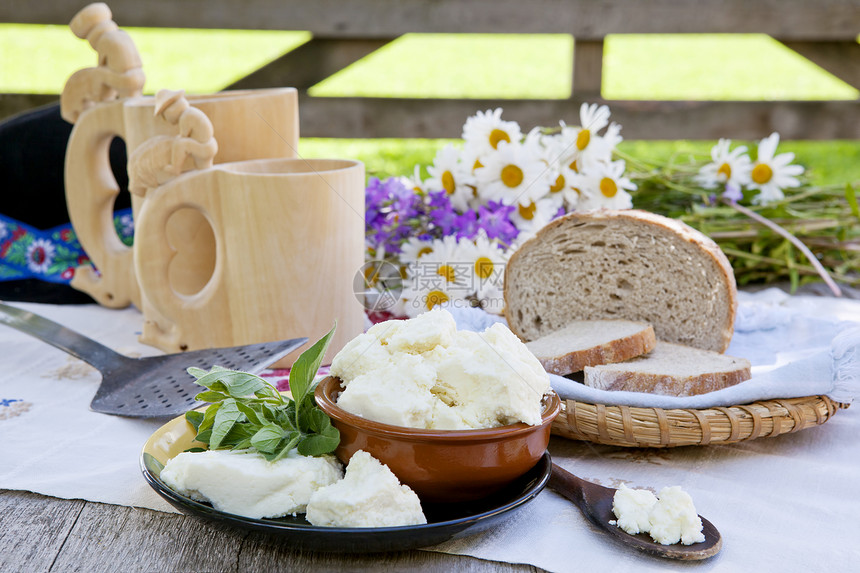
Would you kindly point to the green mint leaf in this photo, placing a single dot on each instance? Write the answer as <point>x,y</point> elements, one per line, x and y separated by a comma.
<point>204,436</point>
<point>236,384</point>
<point>238,434</point>
<point>196,450</point>
<point>305,369</point>
<point>317,420</point>
<point>209,417</point>
<point>196,372</point>
<point>253,416</point>
<point>267,438</point>
<point>321,443</point>
<point>243,445</point>
<point>286,446</point>
<point>210,396</point>
<point>227,415</point>
<point>194,418</point>
<point>249,413</point>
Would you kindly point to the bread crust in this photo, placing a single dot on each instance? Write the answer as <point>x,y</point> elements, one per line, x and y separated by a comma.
<point>681,230</point>
<point>617,350</point>
<point>664,384</point>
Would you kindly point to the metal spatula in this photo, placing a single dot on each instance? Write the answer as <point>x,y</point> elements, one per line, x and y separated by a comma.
<point>152,387</point>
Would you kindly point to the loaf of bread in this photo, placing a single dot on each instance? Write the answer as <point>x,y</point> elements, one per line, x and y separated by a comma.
<point>671,370</point>
<point>591,342</point>
<point>631,265</point>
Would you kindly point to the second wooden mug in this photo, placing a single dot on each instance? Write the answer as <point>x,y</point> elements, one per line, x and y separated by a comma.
<point>250,124</point>
<point>289,238</point>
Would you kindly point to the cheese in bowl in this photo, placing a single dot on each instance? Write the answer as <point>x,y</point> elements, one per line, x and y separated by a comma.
<point>424,373</point>
<point>456,415</point>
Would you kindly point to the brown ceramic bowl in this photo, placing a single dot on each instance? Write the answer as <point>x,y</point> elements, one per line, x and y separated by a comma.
<point>442,465</point>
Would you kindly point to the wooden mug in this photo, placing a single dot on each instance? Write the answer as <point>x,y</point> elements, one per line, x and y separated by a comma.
<point>251,124</point>
<point>289,237</point>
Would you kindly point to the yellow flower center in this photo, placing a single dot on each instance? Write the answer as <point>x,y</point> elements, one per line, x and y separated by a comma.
<point>448,182</point>
<point>528,212</point>
<point>424,251</point>
<point>447,272</point>
<point>573,166</point>
<point>371,275</point>
<point>725,169</point>
<point>498,135</point>
<point>477,164</point>
<point>435,297</point>
<point>762,173</point>
<point>608,187</point>
<point>558,185</point>
<point>512,175</point>
<point>582,139</point>
<point>484,267</point>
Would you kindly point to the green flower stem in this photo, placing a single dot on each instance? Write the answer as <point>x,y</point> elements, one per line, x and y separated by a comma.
<point>819,268</point>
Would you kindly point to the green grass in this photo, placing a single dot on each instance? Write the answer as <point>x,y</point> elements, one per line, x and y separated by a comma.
<point>827,162</point>
<point>39,59</point>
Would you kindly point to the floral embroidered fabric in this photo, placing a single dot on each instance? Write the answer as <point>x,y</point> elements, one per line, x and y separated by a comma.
<point>51,255</point>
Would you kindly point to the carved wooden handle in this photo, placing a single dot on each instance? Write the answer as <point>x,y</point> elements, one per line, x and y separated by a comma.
<point>90,194</point>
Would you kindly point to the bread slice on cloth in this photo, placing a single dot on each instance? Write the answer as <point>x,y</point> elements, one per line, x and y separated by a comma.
<point>591,342</point>
<point>631,265</point>
<point>671,370</point>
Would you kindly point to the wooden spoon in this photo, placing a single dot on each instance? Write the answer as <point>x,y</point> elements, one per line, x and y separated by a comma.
<point>595,501</point>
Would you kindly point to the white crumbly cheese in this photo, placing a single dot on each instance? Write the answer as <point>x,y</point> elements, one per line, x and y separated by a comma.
<point>633,507</point>
<point>424,373</point>
<point>369,495</point>
<point>669,518</point>
<point>244,483</point>
<point>674,518</point>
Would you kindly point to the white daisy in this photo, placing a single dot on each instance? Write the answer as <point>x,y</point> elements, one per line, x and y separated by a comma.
<point>449,174</point>
<point>487,260</point>
<point>492,300</point>
<point>444,268</point>
<point>582,145</point>
<point>564,183</point>
<point>513,174</point>
<point>414,182</point>
<point>40,255</point>
<point>414,248</point>
<point>535,216</point>
<point>573,190</point>
<point>603,146</point>
<point>484,131</point>
<point>726,167</point>
<point>605,186</point>
<point>418,299</point>
<point>771,174</point>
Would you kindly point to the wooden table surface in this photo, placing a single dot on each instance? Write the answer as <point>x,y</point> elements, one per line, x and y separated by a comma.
<point>39,533</point>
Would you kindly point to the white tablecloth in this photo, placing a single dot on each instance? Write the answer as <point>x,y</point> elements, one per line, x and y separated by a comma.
<point>787,503</point>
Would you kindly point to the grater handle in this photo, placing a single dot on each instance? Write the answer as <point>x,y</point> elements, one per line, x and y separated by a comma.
<point>93,353</point>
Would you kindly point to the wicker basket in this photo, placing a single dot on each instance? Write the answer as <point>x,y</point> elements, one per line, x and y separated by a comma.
<point>659,428</point>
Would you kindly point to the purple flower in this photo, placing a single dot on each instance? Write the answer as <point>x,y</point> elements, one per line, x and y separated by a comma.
<point>495,219</point>
<point>444,218</point>
<point>467,225</point>
<point>733,192</point>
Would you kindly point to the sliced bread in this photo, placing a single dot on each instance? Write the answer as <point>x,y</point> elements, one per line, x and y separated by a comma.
<point>671,370</point>
<point>631,265</point>
<point>591,342</point>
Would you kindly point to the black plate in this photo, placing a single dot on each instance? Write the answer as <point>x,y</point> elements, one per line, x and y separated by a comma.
<point>444,521</point>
